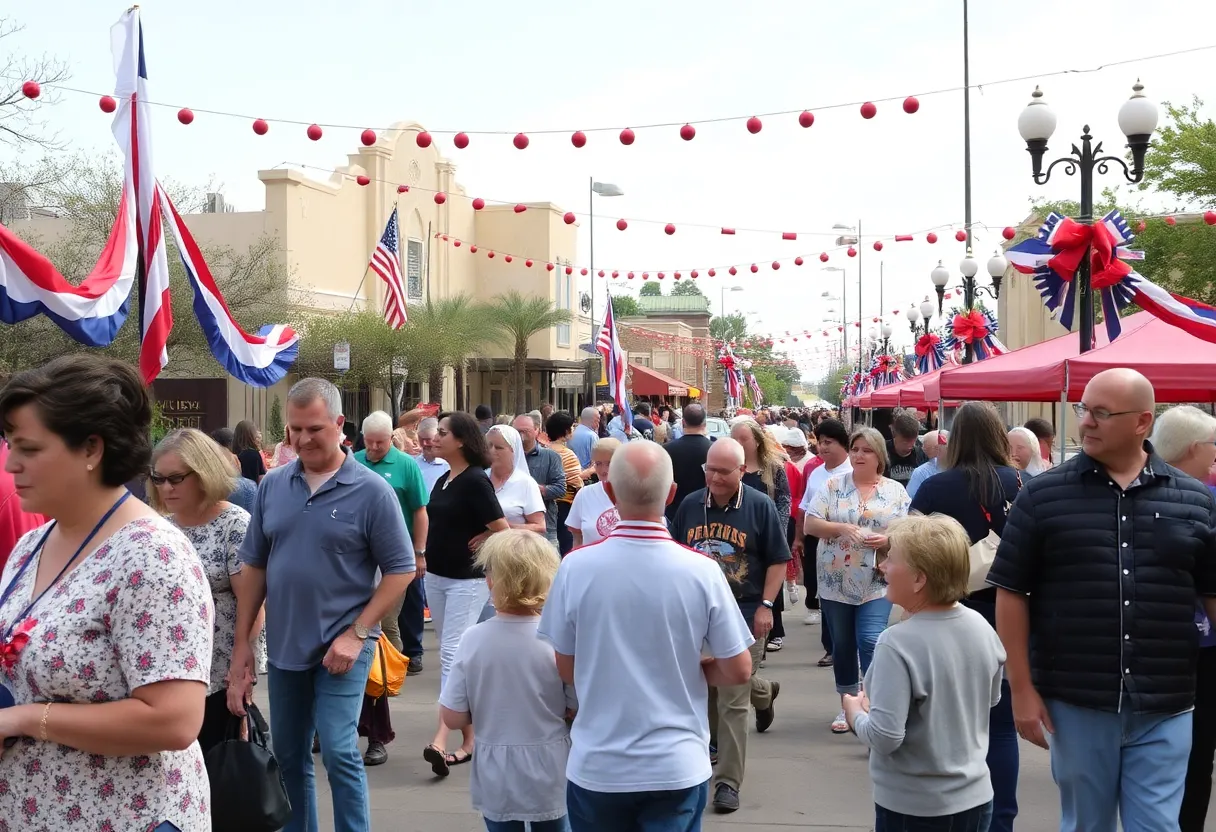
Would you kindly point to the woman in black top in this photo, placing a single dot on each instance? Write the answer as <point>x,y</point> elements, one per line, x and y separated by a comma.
<point>247,444</point>
<point>975,487</point>
<point>462,513</point>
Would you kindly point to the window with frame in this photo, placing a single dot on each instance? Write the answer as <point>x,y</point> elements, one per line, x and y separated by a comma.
<point>413,268</point>
<point>661,359</point>
<point>564,283</point>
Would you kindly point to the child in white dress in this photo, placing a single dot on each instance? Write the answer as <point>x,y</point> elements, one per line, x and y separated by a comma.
<point>504,680</point>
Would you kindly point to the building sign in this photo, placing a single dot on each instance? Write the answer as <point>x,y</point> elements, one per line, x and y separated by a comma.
<point>200,403</point>
<point>342,356</point>
<point>575,380</point>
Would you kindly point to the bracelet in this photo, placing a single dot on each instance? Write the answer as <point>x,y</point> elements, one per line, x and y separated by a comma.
<point>46,712</point>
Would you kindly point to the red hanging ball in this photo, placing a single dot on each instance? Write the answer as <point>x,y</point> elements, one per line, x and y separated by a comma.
<point>31,89</point>
<point>676,276</point>
<point>733,271</point>
<point>508,258</point>
<point>1008,232</point>
<point>314,132</point>
<point>1171,221</point>
<point>445,238</point>
<point>661,275</point>
<point>528,263</point>
<point>583,272</point>
<point>368,137</point>
<point>852,252</point>
<point>478,204</point>
<point>1209,217</point>
<point>578,138</point>
<point>490,254</point>
<point>693,274</point>
<point>259,125</point>
<point>440,197</point>
<point>911,105</point>
<point>806,118</point>
<point>754,268</point>
<point>712,272</point>
<point>868,110</point>
<point>960,235</point>
<point>630,275</point>
<point>627,136</point>
<point>472,249</point>
<point>601,273</point>
<point>621,225</point>
<point>423,139</point>
<point>688,132</point>
<point>461,140</point>
<point>569,270</point>
<point>456,243</point>
<point>549,267</point>
<point>107,104</point>
<point>1140,226</point>
<point>363,180</point>
<point>669,229</point>
<point>569,218</point>
<point>754,126</point>
<point>776,265</point>
<point>520,208</point>
<point>645,275</point>
<point>185,115</point>
<point>823,257</point>
<point>520,141</point>
<point>878,245</point>
<point>930,238</point>
<point>403,189</point>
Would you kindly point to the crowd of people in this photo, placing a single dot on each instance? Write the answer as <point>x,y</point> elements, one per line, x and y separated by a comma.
<point>604,589</point>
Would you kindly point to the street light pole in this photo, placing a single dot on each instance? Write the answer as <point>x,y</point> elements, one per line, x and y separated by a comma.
<point>603,189</point>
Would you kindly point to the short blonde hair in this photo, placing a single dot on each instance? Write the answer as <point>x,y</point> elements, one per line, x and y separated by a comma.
<point>937,547</point>
<point>608,445</point>
<point>522,565</point>
<point>205,458</point>
<point>879,445</point>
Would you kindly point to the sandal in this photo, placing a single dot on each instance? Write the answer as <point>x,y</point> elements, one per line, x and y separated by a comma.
<point>438,759</point>
<point>826,661</point>
<point>457,760</point>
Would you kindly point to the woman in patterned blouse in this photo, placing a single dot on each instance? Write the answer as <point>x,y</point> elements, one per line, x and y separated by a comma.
<point>105,618</point>
<point>191,479</point>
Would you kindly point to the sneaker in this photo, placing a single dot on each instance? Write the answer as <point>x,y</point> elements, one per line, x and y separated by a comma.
<point>812,618</point>
<point>765,717</point>
<point>414,667</point>
<point>840,725</point>
<point>726,799</point>
<point>377,754</point>
<point>426,615</point>
<point>774,645</point>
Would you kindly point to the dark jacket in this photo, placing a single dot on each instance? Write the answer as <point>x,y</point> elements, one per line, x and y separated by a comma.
<point>1113,578</point>
<point>688,454</point>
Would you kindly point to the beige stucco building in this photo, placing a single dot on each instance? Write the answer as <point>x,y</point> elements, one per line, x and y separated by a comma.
<point>327,228</point>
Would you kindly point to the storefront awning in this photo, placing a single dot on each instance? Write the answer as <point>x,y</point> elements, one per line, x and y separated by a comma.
<point>694,392</point>
<point>648,382</point>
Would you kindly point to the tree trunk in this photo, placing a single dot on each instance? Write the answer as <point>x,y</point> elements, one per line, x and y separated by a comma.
<point>460,386</point>
<point>521,378</point>
<point>435,382</point>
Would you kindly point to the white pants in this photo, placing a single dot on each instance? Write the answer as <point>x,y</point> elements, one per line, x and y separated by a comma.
<point>455,605</point>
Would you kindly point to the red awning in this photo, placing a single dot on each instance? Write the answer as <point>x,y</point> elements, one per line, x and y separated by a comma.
<point>648,382</point>
<point>1181,367</point>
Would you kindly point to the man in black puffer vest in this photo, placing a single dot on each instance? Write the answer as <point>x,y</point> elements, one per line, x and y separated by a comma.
<point>1098,572</point>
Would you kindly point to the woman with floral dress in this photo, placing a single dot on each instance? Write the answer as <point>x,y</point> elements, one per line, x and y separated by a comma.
<point>191,479</point>
<point>105,618</point>
<point>850,515</point>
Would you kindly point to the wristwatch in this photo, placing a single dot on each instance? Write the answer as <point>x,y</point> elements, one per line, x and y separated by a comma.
<point>768,604</point>
<point>361,632</point>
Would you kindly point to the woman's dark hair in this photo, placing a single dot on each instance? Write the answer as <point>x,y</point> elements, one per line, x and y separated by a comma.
<point>559,425</point>
<point>833,429</point>
<point>245,437</point>
<point>464,427</point>
<point>223,437</point>
<point>81,396</point>
<point>978,444</point>
<point>1041,428</point>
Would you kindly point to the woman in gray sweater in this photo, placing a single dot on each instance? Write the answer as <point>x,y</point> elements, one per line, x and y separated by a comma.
<point>933,679</point>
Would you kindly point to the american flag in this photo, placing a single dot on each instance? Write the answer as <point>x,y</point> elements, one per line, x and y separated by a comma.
<point>386,262</point>
<point>757,393</point>
<point>609,346</point>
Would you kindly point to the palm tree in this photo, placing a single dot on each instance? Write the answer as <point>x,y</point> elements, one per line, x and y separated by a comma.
<point>467,327</point>
<point>517,319</point>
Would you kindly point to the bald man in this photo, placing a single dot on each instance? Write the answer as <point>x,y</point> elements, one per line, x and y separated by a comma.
<point>739,528</point>
<point>1116,549</point>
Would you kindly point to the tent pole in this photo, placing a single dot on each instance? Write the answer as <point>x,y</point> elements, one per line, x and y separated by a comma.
<point>1063,431</point>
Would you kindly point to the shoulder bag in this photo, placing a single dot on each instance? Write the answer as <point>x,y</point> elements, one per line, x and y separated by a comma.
<point>983,552</point>
<point>247,789</point>
<point>388,670</point>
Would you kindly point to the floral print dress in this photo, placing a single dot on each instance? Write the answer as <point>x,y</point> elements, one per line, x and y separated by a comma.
<point>846,572</point>
<point>218,545</point>
<point>134,612</point>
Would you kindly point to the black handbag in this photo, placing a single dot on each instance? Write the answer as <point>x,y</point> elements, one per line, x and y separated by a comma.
<point>247,789</point>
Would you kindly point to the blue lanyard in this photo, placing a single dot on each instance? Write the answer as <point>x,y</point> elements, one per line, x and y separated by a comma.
<point>12,586</point>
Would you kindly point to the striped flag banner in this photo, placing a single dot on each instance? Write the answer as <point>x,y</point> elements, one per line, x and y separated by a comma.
<point>608,345</point>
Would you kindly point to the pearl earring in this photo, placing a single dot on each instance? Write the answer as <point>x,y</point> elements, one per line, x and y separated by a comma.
<point>88,467</point>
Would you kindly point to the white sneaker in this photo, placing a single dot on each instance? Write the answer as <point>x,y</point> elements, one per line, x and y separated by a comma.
<point>812,618</point>
<point>840,725</point>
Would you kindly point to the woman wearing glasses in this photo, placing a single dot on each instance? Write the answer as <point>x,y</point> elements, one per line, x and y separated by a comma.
<point>191,479</point>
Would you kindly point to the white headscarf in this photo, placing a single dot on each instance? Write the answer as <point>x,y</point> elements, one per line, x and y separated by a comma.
<point>517,447</point>
<point>1037,464</point>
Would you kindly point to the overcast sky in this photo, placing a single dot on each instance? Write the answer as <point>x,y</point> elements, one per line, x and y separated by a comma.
<point>536,65</point>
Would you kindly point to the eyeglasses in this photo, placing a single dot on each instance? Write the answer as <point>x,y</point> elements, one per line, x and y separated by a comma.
<point>721,472</point>
<point>171,479</point>
<point>1100,414</point>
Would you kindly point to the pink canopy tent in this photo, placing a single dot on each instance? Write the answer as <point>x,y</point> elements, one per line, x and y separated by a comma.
<point>1181,367</point>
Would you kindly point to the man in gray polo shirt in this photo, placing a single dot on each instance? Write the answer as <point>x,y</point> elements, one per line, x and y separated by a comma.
<point>320,528</point>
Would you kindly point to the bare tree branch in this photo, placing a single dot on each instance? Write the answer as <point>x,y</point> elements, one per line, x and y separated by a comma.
<point>21,119</point>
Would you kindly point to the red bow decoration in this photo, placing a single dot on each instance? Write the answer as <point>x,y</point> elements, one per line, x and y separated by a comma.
<point>11,649</point>
<point>1072,239</point>
<point>971,327</point>
<point>926,344</point>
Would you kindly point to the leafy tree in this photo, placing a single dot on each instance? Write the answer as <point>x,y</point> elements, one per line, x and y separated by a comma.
<point>624,306</point>
<point>650,289</point>
<point>828,388</point>
<point>517,318</point>
<point>1182,158</point>
<point>687,287</point>
<point>274,420</point>
<point>729,328</point>
<point>460,327</point>
<point>775,389</point>
<point>21,123</point>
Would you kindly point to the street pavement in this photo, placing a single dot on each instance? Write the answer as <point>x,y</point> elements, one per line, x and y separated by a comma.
<point>799,775</point>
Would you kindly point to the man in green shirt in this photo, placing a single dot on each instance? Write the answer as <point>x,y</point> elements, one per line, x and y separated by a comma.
<point>403,474</point>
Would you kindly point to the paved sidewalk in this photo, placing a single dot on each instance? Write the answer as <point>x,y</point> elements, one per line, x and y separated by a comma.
<point>799,775</point>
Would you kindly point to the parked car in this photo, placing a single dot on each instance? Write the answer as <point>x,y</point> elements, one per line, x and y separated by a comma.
<point>717,427</point>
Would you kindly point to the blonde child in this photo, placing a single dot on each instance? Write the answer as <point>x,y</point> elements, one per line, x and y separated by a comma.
<point>506,679</point>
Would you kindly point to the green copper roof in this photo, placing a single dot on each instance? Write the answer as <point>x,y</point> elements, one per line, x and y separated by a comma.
<point>650,304</point>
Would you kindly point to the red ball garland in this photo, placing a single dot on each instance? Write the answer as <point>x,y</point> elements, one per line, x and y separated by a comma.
<point>107,104</point>
<point>314,132</point>
<point>461,140</point>
<point>368,137</point>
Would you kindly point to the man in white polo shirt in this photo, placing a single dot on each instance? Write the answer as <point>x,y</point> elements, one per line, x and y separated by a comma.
<point>628,617</point>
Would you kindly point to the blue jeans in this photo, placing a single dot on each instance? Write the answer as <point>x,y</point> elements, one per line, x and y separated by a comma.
<point>669,811</point>
<point>1004,755</point>
<point>306,701</point>
<point>559,825</point>
<point>410,620</point>
<point>972,820</point>
<point>1118,765</point>
<point>855,630</point>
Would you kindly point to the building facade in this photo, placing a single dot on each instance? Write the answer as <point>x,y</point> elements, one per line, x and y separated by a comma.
<point>670,353</point>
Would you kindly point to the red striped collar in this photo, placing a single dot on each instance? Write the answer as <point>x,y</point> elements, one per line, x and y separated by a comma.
<point>640,530</point>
